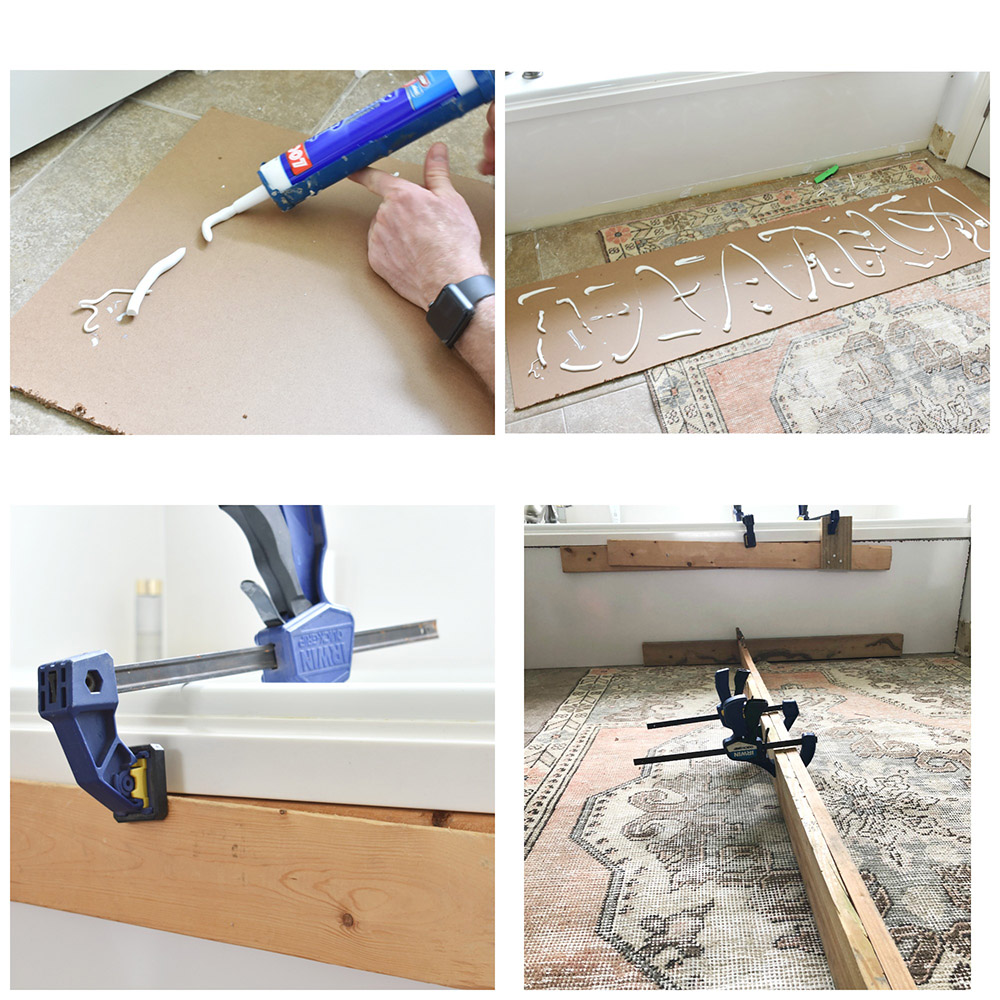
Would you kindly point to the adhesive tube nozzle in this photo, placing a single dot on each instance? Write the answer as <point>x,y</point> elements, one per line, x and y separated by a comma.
<point>251,198</point>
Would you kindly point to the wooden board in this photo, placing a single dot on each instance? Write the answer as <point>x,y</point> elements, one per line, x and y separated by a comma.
<point>835,551</point>
<point>734,555</point>
<point>400,898</point>
<point>717,652</point>
<point>606,321</point>
<point>859,948</point>
<point>592,559</point>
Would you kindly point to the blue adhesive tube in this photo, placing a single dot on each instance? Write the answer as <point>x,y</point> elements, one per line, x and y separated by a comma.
<point>408,113</point>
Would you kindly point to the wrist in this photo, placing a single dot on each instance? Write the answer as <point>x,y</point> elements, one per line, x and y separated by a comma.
<point>451,275</point>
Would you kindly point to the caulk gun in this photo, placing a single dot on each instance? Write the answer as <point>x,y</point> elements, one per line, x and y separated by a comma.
<point>424,104</point>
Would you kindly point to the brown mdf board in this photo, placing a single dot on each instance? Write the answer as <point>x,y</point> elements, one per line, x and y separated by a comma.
<point>735,555</point>
<point>718,652</point>
<point>401,898</point>
<point>617,312</point>
<point>859,948</point>
<point>277,326</point>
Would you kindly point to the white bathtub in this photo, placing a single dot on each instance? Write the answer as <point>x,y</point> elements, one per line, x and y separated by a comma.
<point>577,147</point>
<point>422,745</point>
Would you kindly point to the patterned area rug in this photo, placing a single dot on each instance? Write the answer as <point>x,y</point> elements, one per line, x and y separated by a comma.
<point>682,876</point>
<point>912,360</point>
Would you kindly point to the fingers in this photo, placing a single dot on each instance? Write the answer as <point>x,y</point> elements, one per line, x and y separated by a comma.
<point>491,115</point>
<point>437,176</point>
<point>377,181</point>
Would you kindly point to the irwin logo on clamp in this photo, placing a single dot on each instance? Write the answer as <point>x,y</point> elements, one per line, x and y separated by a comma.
<point>320,650</point>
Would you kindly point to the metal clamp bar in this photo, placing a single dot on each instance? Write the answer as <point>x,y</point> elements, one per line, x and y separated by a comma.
<point>160,673</point>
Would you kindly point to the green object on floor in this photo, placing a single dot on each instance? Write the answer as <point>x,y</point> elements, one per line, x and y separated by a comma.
<point>829,172</point>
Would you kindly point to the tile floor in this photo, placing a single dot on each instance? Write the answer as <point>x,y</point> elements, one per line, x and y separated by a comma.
<point>625,405</point>
<point>544,692</point>
<point>63,188</point>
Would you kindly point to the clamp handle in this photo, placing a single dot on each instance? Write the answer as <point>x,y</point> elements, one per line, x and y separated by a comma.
<point>271,544</point>
<point>79,697</point>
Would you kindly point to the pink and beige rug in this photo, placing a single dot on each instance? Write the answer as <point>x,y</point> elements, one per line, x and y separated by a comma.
<point>912,360</point>
<point>681,875</point>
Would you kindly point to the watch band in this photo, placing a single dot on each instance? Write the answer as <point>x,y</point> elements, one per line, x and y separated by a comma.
<point>452,311</point>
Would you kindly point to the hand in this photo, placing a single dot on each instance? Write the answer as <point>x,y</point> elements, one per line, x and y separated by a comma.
<point>487,165</point>
<point>421,238</point>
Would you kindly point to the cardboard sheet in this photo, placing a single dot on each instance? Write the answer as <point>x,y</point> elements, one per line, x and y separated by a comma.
<point>591,319</point>
<point>278,326</point>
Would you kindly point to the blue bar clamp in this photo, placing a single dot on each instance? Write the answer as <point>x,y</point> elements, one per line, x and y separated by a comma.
<point>312,642</point>
<point>742,715</point>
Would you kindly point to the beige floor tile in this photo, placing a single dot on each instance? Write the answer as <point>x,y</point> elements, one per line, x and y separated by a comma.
<point>541,423</point>
<point>627,411</point>
<point>521,260</point>
<point>81,188</point>
<point>27,165</point>
<point>295,99</point>
<point>30,417</point>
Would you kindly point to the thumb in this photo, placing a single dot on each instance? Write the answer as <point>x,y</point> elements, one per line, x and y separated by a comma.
<point>437,176</point>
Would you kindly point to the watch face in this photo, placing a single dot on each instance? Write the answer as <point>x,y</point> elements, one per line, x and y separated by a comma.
<point>450,312</point>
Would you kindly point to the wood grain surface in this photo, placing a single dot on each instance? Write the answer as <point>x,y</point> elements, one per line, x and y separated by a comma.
<point>718,652</point>
<point>858,946</point>
<point>402,898</point>
<point>735,555</point>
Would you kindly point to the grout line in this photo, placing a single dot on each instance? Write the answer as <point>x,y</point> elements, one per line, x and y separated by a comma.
<point>83,135</point>
<point>329,118</point>
<point>170,111</point>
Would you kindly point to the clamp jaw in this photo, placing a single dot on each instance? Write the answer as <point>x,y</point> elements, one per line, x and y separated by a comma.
<point>312,642</point>
<point>79,697</point>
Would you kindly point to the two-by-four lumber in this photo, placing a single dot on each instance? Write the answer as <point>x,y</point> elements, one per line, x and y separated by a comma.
<point>859,948</point>
<point>808,647</point>
<point>623,552</point>
<point>402,898</point>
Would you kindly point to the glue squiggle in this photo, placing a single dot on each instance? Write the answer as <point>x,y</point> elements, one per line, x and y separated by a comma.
<point>537,291</point>
<point>680,295</point>
<point>146,282</point>
<point>622,358</point>
<point>766,238</point>
<point>93,304</point>
<point>767,270</point>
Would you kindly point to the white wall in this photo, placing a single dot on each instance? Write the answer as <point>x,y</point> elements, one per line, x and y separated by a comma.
<point>621,149</point>
<point>73,573</point>
<point>961,89</point>
<point>75,570</point>
<point>602,619</point>
<point>160,959</point>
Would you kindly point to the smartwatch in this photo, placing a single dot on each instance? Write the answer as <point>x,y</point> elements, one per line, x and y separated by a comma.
<point>452,311</point>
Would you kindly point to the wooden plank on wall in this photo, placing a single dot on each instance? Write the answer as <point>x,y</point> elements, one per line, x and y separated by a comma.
<point>811,647</point>
<point>734,555</point>
<point>404,899</point>
<point>859,948</point>
<point>836,550</point>
<point>592,559</point>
